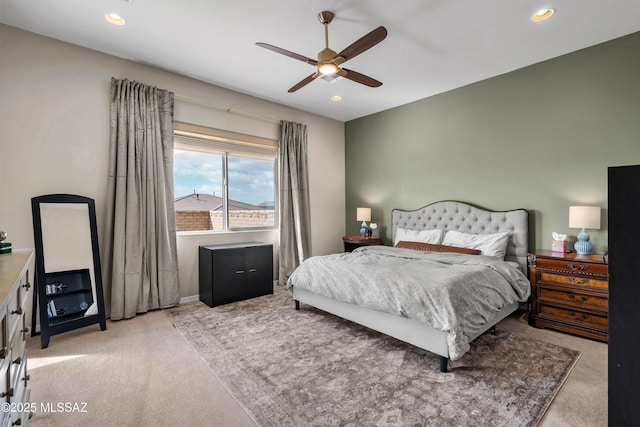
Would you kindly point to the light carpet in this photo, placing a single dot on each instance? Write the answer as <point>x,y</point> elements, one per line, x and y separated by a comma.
<point>310,368</point>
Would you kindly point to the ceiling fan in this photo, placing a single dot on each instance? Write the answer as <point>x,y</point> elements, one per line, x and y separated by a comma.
<point>329,61</point>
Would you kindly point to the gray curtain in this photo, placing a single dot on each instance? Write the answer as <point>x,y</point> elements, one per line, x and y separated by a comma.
<point>295,233</point>
<point>141,262</point>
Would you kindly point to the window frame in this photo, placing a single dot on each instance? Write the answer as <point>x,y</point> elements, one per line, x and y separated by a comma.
<point>189,137</point>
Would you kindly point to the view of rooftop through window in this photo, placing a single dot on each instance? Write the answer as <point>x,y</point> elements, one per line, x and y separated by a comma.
<point>199,191</point>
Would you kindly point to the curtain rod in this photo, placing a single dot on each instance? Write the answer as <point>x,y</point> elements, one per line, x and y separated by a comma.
<point>227,108</point>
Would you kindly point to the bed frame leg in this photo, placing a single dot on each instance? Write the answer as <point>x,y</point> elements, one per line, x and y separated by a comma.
<point>444,362</point>
<point>297,304</point>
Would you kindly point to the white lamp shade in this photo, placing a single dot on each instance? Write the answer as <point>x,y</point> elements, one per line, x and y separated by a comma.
<point>584,217</point>
<point>363,214</point>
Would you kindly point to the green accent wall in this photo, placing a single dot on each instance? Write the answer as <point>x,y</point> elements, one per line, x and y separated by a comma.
<point>539,138</point>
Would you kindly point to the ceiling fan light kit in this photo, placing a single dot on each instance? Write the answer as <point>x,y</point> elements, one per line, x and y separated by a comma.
<point>328,62</point>
<point>327,68</point>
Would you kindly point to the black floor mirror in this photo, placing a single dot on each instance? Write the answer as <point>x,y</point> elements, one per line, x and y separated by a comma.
<point>68,286</point>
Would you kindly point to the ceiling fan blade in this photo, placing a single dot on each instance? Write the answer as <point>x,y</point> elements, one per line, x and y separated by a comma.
<point>288,53</point>
<point>304,82</point>
<point>358,78</point>
<point>365,42</point>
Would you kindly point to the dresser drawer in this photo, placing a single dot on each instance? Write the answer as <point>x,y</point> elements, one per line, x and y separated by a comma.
<point>576,317</point>
<point>24,290</point>
<point>5,379</point>
<point>14,311</point>
<point>586,282</point>
<point>18,377</point>
<point>19,341</point>
<point>595,303</point>
<point>573,267</point>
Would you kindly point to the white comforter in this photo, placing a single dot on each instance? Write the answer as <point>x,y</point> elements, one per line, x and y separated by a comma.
<point>452,292</point>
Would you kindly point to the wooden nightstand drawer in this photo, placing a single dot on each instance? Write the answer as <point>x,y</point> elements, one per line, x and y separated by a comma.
<point>573,266</point>
<point>593,302</point>
<point>586,282</point>
<point>574,316</point>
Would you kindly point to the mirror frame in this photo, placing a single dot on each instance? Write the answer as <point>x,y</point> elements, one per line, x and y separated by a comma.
<point>39,295</point>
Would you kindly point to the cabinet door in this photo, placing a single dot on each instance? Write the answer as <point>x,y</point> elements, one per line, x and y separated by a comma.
<point>229,274</point>
<point>259,263</point>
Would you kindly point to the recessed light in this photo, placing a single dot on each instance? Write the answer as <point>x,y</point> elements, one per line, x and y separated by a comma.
<point>542,15</point>
<point>115,19</point>
<point>336,98</point>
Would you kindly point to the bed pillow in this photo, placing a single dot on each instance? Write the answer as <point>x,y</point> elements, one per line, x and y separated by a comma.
<point>494,245</point>
<point>424,236</point>
<point>430,247</point>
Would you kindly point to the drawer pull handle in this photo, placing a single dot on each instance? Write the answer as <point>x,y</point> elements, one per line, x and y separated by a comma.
<point>17,311</point>
<point>8,393</point>
<point>583,298</point>
<point>578,281</point>
<point>26,378</point>
<point>26,285</point>
<point>3,352</point>
<point>26,330</point>
<point>252,270</point>
<point>581,316</point>
<point>581,267</point>
<point>18,361</point>
<point>17,422</point>
<point>239,271</point>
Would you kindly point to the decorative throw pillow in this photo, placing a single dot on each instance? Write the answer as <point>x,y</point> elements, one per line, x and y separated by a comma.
<point>494,245</point>
<point>424,236</point>
<point>430,247</point>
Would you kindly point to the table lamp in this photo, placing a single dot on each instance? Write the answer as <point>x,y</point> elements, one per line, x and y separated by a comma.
<point>584,217</point>
<point>364,215</point>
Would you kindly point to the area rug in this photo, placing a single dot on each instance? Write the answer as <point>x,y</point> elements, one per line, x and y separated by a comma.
<point>310,368</point>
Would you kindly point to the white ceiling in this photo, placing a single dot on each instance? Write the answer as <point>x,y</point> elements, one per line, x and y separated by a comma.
<point>433,45</point>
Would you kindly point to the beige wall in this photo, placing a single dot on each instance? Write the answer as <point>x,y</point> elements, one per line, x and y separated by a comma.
<point>54,137</point>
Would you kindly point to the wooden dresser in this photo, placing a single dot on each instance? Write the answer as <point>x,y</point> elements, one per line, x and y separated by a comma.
<point>16,269</point>
<point>569,293</point>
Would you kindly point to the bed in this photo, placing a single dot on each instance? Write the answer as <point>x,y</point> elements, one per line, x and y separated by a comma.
<point>374,285</point>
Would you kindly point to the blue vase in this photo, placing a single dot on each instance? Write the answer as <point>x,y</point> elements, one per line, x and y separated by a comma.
<point>583,246</point>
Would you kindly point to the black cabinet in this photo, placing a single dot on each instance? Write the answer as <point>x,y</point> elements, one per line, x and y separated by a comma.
<point>624,296</point>
<point>235,272</point>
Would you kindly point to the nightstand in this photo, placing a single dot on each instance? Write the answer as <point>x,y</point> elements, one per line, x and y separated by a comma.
<point>355,241</point>
<point>569,293</point>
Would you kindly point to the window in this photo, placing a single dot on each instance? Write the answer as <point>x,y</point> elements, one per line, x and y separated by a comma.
<point>223,180</point>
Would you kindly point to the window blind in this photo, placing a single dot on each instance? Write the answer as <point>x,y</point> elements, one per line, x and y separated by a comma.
<point>204,139</point>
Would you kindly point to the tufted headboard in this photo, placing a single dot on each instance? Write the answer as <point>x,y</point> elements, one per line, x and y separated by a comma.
<point>452,215</point>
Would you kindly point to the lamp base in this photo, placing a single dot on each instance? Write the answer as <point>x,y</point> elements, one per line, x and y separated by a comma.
<point>583,246</point>
<point>364,229</point>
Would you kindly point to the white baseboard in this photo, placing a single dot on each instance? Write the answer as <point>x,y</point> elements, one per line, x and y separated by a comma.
<point>192,298</point>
